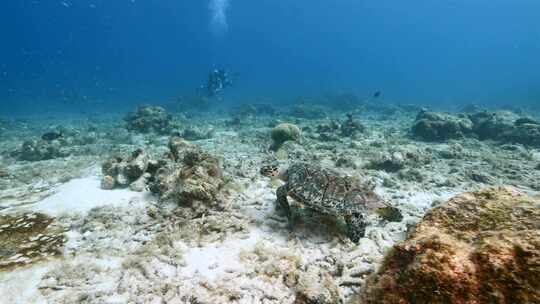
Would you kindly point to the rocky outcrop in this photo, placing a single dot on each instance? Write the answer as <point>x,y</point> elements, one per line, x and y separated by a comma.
<point>432,126</point>
<point>501,126</point>
<point>479,247</point>
<point>149,119</point>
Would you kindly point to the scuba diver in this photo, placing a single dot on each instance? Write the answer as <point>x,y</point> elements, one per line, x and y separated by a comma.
<point>218,80</point>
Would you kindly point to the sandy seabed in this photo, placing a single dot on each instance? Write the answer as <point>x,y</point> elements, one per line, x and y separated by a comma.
<point>128,247</point>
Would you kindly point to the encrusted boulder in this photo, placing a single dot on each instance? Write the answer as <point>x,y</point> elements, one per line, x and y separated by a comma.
<point>479,247</point>
<point>36,150</point>
<point>432,126</point>
<point>493,125</point>
<point>192,177</point>
<point>121,172</point>
<point>148,119</point>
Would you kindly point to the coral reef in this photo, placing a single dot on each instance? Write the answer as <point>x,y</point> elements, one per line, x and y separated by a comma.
<point>28,238</point>
<point>192,177</point>
<point>126,171</point>
<point>479,247</point>
<point>149,119</point>
<point>36,150</point>
<point>284,132</point>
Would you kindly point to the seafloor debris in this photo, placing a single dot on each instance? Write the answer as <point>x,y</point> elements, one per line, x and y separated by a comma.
<point>149,119</point>
<point>3,173</point>
<point>256,109</point>
<point>308,111</point>
<point>326,192</point>
<point>36,150</point>
<point>284,132</point>
<point>479,247</point>
<point>197,133</point>
<point>28,238</point>
<point>351,127</point>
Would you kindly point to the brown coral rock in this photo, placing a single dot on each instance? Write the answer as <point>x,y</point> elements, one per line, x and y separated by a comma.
<point>194,176</point>
<point>479,247</point>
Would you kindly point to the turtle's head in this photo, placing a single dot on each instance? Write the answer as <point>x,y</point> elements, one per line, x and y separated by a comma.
<point>274,172</point>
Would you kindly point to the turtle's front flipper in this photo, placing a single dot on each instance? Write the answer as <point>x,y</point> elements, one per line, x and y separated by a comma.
<point>283,204</point>
<point>356,226</point>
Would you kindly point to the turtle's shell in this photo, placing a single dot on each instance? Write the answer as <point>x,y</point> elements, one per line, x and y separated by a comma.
<point>326,191</point>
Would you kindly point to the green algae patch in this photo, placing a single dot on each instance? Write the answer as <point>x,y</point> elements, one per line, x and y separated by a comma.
<point>28,238</point>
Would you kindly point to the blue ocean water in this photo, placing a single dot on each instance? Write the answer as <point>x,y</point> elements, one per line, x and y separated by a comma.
<point>71,55</point>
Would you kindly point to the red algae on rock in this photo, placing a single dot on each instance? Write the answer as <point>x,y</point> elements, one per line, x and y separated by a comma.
<point>479,247</point>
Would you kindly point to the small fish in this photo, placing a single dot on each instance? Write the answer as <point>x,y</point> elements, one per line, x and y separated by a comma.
<point>377,94</point>
<point>50,136</point>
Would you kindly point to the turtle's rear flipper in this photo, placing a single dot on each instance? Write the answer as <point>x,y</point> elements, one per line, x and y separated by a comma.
<point>283,204</point>
<point>356,227</point>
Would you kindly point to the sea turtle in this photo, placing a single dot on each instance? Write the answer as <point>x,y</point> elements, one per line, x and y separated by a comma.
<point>325,191</point>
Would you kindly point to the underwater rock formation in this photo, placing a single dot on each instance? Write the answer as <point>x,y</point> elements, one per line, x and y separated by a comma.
<point>36,150</point>
<point>493,125</point>
<point>28,238</point>
<point>126,171</point>
<point>502,126</point>
<point>479,247</point>
<point>432,126</point>
<point>191,177</point>
<point>149,119</point>
<point>284,132</point>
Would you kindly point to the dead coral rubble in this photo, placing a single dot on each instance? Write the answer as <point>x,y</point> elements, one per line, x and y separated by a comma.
<point>479,247</point>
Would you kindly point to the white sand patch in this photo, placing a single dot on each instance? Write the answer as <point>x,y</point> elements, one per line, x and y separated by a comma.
<point>21,286</point>
<point>210,262</point>
<point>83,194</point>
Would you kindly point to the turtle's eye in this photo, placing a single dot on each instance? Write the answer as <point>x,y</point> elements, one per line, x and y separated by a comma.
<point>269,171</point>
